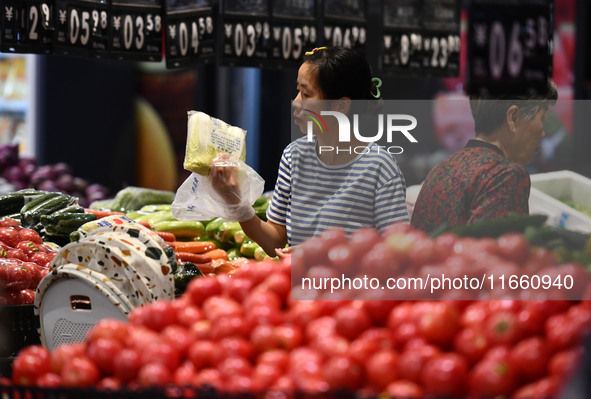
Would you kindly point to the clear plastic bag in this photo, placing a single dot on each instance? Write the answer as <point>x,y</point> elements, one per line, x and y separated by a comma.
<point>198,199</point>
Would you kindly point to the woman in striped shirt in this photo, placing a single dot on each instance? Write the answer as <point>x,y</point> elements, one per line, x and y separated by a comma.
<point>323,182</point>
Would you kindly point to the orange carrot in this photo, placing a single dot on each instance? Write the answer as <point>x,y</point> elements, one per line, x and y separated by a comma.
<point>205,268</point>
<point>166,236</point>
<point>183,257</point>
<point>102,214</point>
<point>217,253</point>
<point>195,247</point>
<point>145,224</point>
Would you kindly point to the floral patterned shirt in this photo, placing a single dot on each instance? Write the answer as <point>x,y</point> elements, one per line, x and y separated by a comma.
<point>476,183</point>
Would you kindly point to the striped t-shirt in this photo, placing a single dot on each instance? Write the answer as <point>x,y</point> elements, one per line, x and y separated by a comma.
<point>311,196</point>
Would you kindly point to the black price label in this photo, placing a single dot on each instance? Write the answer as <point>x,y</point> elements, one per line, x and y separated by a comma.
<point>246,42</point>
<point>136,32</point>
<point>290,42</point>
<point>27,27</point>
<point>190,38</point>
<point>510,47</point>
<point>82,28</point>
<point>422,53</point>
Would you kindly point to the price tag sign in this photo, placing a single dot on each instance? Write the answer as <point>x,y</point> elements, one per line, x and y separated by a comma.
<point>245,33</point>
<point>421,37</point>
<point>136,30</point>
<point>82,28</point>
<point>27,26</point>
<point>190,32</point>
<point>345,24</point>
<point>509,46</point>
<point>294,31</point>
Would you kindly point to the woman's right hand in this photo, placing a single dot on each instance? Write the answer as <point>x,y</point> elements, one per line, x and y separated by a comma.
<point>224,178</point>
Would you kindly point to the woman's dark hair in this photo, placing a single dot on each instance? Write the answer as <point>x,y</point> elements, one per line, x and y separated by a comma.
<point>489,112</point>
<point>342,72</point>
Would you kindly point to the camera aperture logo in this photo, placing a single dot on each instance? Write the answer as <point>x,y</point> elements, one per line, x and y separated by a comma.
<point>392,126</point>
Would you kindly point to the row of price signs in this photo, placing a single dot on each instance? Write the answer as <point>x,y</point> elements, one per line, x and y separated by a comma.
<point>421,37</point>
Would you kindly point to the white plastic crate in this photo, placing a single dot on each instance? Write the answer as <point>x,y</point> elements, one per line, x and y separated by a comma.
<point>548,190</point>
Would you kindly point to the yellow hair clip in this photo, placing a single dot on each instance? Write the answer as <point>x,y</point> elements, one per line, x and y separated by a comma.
<point>314,50</point>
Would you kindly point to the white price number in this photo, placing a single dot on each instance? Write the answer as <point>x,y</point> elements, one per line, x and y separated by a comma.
<point>34,19</point>
<point>79,27</point>
<point>99,20</point>
<point>197,29</point>
<point>351,37</point>
<point>292,43</point>
<point>245,42</point>
<point>499,53</point>
<point>133,30</point>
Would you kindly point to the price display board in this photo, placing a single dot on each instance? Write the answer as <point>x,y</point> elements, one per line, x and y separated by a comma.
<point>421,37</point>
<point>509,46</point>
<point>344,23</point>
<point>136,30</point>
<point>190,32</point>
<point>82,28</point>
<point>245,33</point>
<point>294,31</point>
<point>27,26</point>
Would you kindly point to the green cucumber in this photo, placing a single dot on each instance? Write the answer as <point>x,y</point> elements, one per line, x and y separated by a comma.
<point>225,232</point>
<point>494,228</point>
<point>260,201</point>
<point>213,225</point>
<point>45,205</point>
<point>11,203</point>
<point>233,253</point>
<point>248,248</point>
<point>66,223</point>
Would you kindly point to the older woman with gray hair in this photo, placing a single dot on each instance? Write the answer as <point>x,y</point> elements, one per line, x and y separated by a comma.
<point>487,179</point>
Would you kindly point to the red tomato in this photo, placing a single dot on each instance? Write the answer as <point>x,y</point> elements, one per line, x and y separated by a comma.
<point>445,375</point>
<point>333,345</point>
<point>109,384</point>
<point>234,366</point>
<point>351,321</point>
<point>380,262</point>
<point>422,252</point>
<point>12,297</point>
<point>288,336</point>
<point>28,247</point>
<point>31,363</point>
<point>530,357</point>
<point>234,347</point>
<point>189,315</point>
<point>218,306</point>
<point>202,354</point>
<point>340,372</point>
<point>239,288</point>
<point>382,368</point>
<point>514,247</point>
<point>16,254</point>
<point>325,325</point>
<point>369,342</point>
<point>411,362</point>
<point>179,336</point>
<point>28,296</point>
<point>230,326</point>
<point>9,236</point>
<point>341,258</point>
<point>405,389</point>
<point>278,358</point>
<point>363,239</point>
<point>264,314</point>
<point>471,342</point>
<point>49,380</point>
<point>9,222</point>
<point>18,276</point>
<point>126,365</point>
<point>531,319</point>
<point>265,375</point>
<point>162,352</point>
<point>154,375</point>
<point>493,377</point>
<point>303,312</point>
<point>65,353</point>
<point>333,236</point>
<point>503,328</point>
<point>42,259</point>
<point>439,323</point>
<point>561,332</point>
<point>379,310</point>
<point>102,352</point>
<point>200,289</point>
<point>29,235</point>
<point>109,328</point>
<point>79,372</point>
<point>545,388</point>
<point>563,364</point>
<point>263,338</point>
<point>158,315</point>
<point>211,377</point>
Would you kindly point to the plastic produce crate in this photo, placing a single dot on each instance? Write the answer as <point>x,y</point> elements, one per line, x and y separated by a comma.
<point>549,190</point>
<point>18,328</point>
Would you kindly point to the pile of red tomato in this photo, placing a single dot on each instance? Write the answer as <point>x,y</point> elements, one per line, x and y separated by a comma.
<point>24,261</point>
<point>243,333</point>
